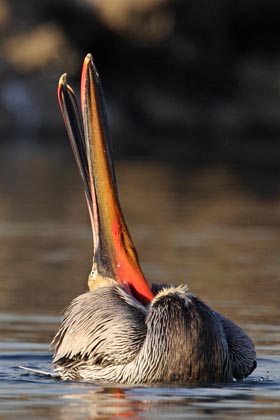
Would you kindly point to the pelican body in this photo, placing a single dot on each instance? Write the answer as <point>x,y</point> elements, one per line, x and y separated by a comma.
<point>122,330</point>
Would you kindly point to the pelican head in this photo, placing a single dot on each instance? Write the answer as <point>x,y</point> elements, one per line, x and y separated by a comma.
<point>114,255</point>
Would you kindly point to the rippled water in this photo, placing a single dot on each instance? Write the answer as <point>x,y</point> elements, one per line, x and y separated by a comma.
<point>201,228</point>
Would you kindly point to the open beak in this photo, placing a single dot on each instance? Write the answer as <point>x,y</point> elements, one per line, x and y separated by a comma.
<point>115,257</point>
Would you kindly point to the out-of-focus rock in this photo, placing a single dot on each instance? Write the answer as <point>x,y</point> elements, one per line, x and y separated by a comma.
<point>40,46</point>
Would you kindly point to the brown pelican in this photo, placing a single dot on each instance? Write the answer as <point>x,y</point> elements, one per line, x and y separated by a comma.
<point>122,330</point>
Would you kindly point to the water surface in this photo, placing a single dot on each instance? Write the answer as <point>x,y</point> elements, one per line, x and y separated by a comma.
<point>200,227</point>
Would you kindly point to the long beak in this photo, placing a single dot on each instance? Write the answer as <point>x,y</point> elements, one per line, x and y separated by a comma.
<point>115,256</point>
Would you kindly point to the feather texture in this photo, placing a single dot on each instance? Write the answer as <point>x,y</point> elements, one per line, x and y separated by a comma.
<point>107,335</point>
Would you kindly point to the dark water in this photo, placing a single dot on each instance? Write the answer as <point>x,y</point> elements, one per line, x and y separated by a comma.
<point>201,228</point>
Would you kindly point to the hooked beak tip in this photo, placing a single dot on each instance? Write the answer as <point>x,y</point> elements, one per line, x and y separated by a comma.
<point>63,80</point>
<point>88,62</point>
<point>88,58</point>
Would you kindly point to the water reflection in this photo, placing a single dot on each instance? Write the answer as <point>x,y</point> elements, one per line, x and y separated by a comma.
<point>95,402</point>
<point>198,227</point>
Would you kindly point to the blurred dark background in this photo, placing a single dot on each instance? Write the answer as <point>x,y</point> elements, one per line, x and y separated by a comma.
<point>192,83</point>
<point>193,94</point>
